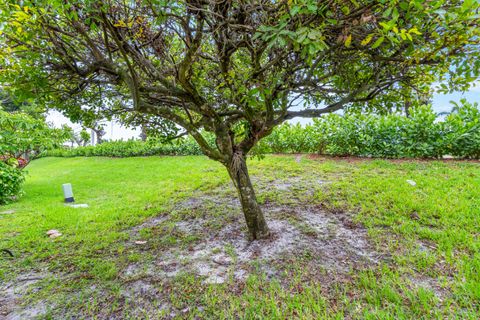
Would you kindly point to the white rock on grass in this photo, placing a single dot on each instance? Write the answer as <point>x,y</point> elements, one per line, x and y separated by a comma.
<point>411,182</point>
<point>53,233</point>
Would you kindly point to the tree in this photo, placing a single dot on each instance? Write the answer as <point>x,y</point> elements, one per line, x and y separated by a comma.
<point>22,135</point>
<point>236,69</point>
<point>84,137</point>
<point>81,138</point>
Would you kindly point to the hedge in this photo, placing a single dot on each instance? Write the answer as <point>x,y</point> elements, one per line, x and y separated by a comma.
<point>422,135</point>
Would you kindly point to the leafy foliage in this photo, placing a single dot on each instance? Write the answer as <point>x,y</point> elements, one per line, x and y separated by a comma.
<point>422,135</point>
<point>8,103</point>
<point>21,134</point>
<point>291,138</point>
<point>11,180</point>
<point>464,130</point>
<point>390,136</point>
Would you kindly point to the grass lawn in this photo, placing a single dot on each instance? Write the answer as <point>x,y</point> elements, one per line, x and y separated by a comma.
<point>164,237</point>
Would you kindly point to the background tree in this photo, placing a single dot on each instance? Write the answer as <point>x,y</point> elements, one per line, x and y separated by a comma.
<point>84,137</point>
<point>24,136</point>
<point>236,69</point>
<point>99,130</point>
<point>143,133</point>
<point>81,138</point>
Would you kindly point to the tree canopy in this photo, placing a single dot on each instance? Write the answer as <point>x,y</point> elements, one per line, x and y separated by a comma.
<point>234,68</point>
<point>234,62</point>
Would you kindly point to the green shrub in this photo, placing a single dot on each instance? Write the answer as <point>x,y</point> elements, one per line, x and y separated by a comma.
<point>11,180</point>
<point>133,148</point>
<point>463,130</point>
<point>291,138</point>
<point>422,135</point>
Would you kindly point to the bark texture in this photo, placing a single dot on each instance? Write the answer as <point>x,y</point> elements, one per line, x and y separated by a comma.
<point>257,227</point>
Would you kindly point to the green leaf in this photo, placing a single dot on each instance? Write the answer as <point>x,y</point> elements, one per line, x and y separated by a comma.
<point>348,41</point>
<point>377,43</point>
<point>387,12</point>
<point>367,40</point>
<point>346,10</point>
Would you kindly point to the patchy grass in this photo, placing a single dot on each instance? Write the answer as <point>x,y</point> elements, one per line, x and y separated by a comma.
<point>164,238</point>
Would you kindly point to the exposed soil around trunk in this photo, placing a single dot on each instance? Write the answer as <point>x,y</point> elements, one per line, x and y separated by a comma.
<point>333,240</point>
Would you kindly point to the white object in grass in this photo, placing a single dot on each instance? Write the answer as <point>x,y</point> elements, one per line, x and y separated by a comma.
<point>53,233</point>
<point>78,205</point>
<point>411,182</point>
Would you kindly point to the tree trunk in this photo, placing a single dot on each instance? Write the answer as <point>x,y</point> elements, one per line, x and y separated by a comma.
<point>257,227</point>
<point>99,133</point>
<point>408,104</point>
<point>143,134</point>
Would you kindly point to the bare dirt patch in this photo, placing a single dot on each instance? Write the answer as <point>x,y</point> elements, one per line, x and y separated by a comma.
<point>331,241</point>
<point>419,281</point>
<point>13,292</point>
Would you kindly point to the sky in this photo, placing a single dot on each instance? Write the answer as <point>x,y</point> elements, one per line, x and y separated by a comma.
<point>115,131</point>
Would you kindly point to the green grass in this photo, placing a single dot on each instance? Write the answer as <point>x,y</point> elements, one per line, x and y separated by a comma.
<point>120,193</point>
<point>428,232</point>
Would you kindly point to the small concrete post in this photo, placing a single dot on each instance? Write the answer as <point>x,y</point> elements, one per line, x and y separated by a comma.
<point>68,192</point>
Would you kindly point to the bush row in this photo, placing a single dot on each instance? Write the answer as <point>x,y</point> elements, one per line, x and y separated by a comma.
<point>422,135</point>
<point>131,148</point>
